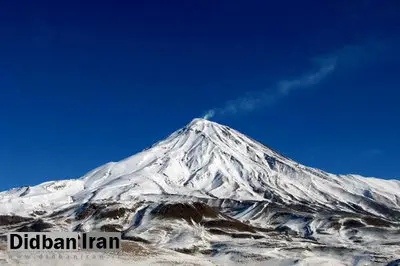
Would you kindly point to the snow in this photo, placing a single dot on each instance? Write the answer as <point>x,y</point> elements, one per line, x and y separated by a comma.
<point>215,160</point>
<point>214,163</point>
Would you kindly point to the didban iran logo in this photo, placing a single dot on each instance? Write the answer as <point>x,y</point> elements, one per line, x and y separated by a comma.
<point>63,241</point>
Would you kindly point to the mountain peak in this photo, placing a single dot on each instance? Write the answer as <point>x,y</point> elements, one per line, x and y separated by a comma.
<point>200,124</point>
<point>197,121</point>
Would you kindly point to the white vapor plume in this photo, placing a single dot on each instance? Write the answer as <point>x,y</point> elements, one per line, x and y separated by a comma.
<point>256,99</point>
<point>209,114</point>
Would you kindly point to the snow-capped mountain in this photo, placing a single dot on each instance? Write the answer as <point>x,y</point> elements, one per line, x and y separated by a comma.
<point>207,183</point>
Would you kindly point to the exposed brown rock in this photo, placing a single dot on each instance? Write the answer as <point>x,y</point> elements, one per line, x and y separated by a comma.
<point>233,235</point>
<point>13,219</point>
<point>111,228</point>
<point>36,226</point>
<point>114,213</point>
<point>374,221</point>
<point>353,224</point>
<point>189,212</point>
<point>88,210</point>
<point>229,224</point>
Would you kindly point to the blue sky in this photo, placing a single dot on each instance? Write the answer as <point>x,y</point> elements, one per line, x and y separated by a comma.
<point>87,82</point>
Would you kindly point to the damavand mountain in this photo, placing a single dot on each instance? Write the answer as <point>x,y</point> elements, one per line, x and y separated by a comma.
<point>211,192</point>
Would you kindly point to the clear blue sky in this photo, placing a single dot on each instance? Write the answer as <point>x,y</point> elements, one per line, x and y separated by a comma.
<point>88,82</point>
